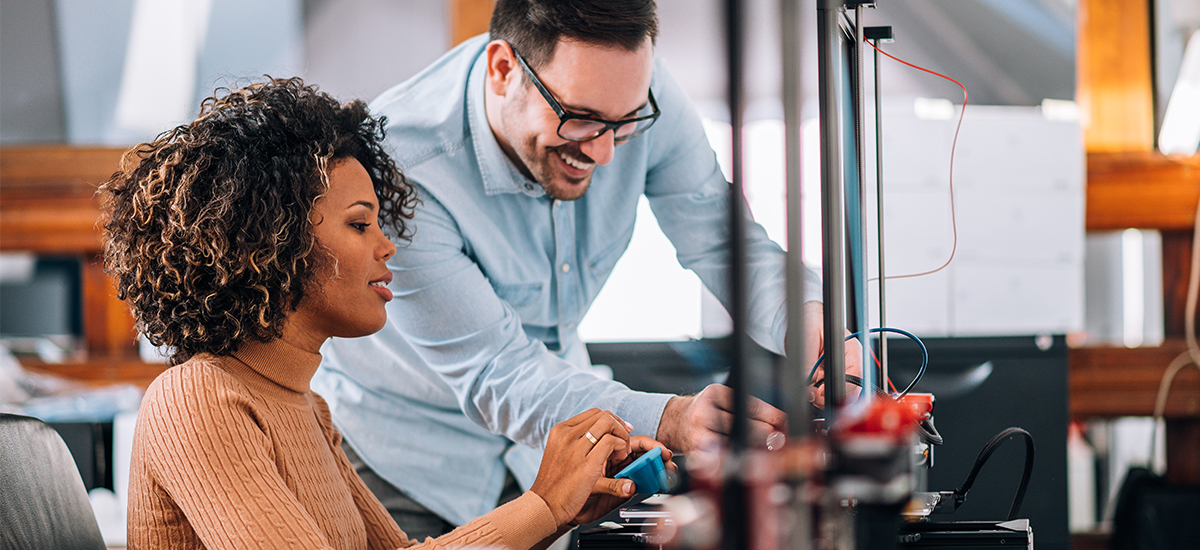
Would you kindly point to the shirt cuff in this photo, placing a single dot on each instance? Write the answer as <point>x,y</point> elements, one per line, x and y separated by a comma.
<point>644,411</point>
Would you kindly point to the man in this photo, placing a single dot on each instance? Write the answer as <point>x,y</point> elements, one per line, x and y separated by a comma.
<point>530,148</point>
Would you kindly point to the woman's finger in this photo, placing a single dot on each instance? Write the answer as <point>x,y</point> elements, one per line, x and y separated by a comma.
<point>607,424</point>
<point>581,418</point>
<point>628,426</point>
<point>639,444</point>
<point>623,488</point>
<point>608,445</point>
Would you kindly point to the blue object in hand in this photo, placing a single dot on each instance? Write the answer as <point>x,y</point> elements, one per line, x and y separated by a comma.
<point>648,473</point>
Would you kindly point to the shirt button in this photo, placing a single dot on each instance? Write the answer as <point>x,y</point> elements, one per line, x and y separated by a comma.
<point>566,268</point>
<point>570,325</point>
<point>557,202</point>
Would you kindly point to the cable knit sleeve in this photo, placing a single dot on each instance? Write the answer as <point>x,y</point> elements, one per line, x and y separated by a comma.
<point>382,531</point>
<point>225,458</point>
<point>517,525</point>
<point>198,441</point>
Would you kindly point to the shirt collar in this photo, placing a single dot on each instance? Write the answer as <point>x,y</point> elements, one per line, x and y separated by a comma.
<point>498,173</point>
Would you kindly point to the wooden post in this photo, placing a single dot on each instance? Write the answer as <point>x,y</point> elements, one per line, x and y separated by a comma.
<point>1130,185</point>
<point>107,322</point>
<point>1113,75</point>
<point>468,18</point>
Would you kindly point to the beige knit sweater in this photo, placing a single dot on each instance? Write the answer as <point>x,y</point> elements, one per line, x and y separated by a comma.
<point>237,452</point>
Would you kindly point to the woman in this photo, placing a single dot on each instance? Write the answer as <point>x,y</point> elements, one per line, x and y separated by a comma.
<point>243,241</point>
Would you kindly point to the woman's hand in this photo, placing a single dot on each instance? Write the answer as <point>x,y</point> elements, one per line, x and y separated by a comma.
<point>574,466</point>
<point>601,501</point>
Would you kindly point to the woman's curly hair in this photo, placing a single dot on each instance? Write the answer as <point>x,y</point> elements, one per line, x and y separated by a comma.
<point>208,229</point>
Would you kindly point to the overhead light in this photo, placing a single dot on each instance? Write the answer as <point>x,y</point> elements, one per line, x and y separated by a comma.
<point>1180,132</point>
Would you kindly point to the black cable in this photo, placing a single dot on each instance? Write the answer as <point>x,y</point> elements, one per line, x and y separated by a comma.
<point>909,335</point>
<point>928,432</point>
<point>960,494</point>
<point>853,381</point>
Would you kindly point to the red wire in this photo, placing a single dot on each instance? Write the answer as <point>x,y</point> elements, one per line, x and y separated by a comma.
<point>953,145</point>
<point>876,358</point>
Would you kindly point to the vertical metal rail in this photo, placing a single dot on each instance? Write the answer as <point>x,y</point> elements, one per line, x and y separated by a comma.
<point>735,532</point>
<point>859,263</point>
<point>883,349</point>
<point>833,293</point>
<point>796,524</point>
<point>851,124</point>
<point>794,370</point>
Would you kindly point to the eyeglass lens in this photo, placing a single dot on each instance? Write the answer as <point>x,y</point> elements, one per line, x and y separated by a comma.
<point>579,129</point>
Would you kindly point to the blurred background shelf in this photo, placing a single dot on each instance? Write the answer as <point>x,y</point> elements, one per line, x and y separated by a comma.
<point>1113,381</point>
<point>100,370</point>
<point>49,207</point>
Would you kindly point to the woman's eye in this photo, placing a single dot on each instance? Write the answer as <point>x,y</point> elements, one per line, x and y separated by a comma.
<point>361,227</point>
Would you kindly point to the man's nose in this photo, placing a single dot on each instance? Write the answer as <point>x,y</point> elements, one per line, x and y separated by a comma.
<point>599,149</point>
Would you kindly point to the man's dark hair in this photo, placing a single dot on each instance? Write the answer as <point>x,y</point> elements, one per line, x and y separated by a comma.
<point>534,27</point>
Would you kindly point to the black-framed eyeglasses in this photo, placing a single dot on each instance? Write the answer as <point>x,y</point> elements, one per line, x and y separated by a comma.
<point>573,127</point>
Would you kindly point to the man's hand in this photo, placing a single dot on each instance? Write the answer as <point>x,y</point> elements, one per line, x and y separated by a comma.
<point>692,422</point>
<point>695,421</point>
<point>814,346</point>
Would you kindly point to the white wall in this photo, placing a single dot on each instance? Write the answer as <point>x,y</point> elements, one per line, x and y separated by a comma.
<point>359,48</point>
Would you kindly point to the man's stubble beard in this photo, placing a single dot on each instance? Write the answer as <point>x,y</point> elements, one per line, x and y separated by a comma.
<point>541,168</point>
<point>556,184</point>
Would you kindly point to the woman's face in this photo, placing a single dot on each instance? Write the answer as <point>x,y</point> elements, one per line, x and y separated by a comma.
<point>350,291</point>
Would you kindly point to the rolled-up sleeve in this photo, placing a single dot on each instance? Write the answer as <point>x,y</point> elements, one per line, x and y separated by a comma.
<point>503,380</point>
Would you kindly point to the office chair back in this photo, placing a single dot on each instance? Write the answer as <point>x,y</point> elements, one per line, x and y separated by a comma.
<point>43,503</point>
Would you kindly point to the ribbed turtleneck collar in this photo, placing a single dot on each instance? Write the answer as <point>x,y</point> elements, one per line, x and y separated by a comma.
<point>281,363</point>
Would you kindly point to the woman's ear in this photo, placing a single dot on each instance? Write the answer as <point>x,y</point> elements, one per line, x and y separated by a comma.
<point>502,68</point>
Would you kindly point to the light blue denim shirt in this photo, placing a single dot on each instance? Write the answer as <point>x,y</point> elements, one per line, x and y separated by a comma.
<point>480,348</point>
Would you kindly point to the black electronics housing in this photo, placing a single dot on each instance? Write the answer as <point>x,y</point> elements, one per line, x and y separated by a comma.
<point>1025,385</point>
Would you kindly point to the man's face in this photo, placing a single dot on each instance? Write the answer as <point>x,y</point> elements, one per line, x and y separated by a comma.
<point>605,82</point>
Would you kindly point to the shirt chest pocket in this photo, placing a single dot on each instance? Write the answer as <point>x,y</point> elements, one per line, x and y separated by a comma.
<point>601,264</point>
<point>525,298</point>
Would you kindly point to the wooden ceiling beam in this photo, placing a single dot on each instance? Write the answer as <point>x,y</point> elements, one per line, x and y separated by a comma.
<point>1146,190</point>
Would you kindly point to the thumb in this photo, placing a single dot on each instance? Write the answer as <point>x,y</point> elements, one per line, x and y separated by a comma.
<point>623,488</point>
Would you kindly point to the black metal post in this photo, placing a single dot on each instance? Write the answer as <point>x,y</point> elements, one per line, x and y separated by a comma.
<point>833,269</point>
<point>735,532</point>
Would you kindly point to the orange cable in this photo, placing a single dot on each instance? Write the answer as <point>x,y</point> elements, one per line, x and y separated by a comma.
<point>876,358</point>
<point>953,145</point>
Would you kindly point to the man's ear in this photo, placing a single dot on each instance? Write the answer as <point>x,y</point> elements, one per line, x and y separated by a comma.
<point>502,68</point>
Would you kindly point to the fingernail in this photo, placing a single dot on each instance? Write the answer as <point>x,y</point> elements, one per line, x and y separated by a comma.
<point>627,487</point>
<point>628,426</point>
